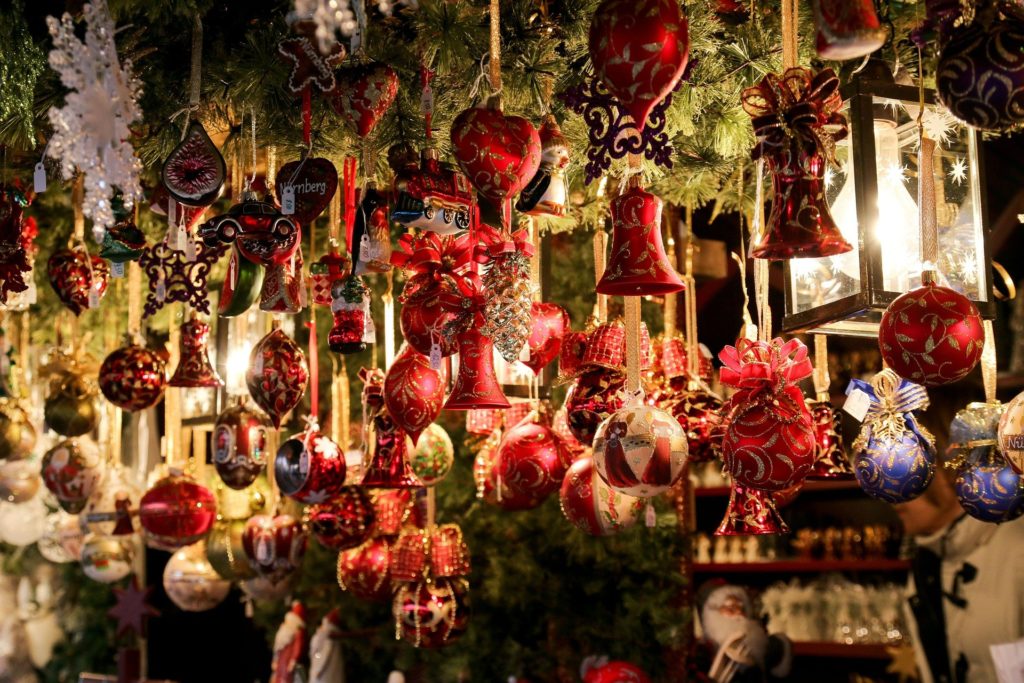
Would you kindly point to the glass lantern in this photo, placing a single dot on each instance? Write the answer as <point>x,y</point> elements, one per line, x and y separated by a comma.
<point>873,198</point>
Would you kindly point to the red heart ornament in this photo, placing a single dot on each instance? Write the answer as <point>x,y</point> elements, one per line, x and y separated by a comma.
<point>363,94</point>
<point>550,323</point>
<point>499,154</point>
<point>277,375</point>
<point>639,49</point>
<point>313,183</point>
<point>72,273</point>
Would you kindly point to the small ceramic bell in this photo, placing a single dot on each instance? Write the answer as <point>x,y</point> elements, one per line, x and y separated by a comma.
<point>194,367</point>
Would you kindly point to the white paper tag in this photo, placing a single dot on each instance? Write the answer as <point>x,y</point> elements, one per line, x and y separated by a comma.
<point>161,289</point>
<point>94,296</point>
<point>364,248</point>
<point>39,179</point>
<point>857,404</point>
<point>650,517</point>
<point>435,356</point>
<point>190,249</point>
<point>288,200</point>
<point>116,269</point>
<point>427,101</point>
<point>172,213</point>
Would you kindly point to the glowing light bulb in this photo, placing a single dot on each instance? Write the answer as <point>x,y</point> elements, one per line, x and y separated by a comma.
<point>237,364</point>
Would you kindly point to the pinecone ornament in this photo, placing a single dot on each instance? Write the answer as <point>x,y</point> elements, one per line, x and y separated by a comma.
<point>510,294</point>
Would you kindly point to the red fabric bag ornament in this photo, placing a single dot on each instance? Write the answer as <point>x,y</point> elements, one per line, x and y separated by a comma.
<point>769,440</point>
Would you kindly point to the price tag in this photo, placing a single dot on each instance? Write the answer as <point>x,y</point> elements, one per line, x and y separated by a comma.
<point>435,356</point>
<point>172,213</point>
<point>365,246</point>
<point>161,289</point>
<point>116,269</point>
<point>857,404</point>
<point>288,200</point>
<point>190,248</point>
<point>94,295</point>
<point>427,101</point>
<point>39,179</point>
<point>650,517</point>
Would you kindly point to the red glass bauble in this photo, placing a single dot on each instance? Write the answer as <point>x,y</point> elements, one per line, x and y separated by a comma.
<point>310,468</point>
<point>476,385</point>
<point>531,460</point>
<point>424,322</point>
<point>498,153</point>
<point>931,335</point>
<point>365,571</point>
<point>616,672</point>
<point>762,450</point>
<point>592,506</point>
<point>414,391</point>
<point>699,412</point>
<point>133,377</point>
<point>277,375</point>
<point>275,545</point>
<point>637,262</point>
<point>550,323</point>
<point>432,614</point>
<point>240,445</point>
<point>640,450</point>
<point>639,49</point>
<point>591,401</point>
<point>312,182</point>
<point>73,273</point>
<point>345,522</point>
<point>363,94</point>
<point>176,512</point>
<point>830,461</point>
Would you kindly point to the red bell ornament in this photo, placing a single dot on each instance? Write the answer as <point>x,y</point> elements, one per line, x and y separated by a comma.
<point>432,613</point>
<point>176,512</point>
<point>365,571</point>
<point>637,264</point>
<point>931,335</point>
<point>476,385</point>
<point>240,445</point>
<point>796,118</point>
<point>310,468</point>
<point>769,437</point>
<point>751,512</point>
<point>498,153</point>
<point>531,460</point>
<point>274,545</point>
<point>640,450</point>
<point>277,375</point>
<point>847,29</point>
<point>133,377</point>
<point>592,506</point>
<point>639,49</point>
<point>345,522</point>
<point>194,367</point>
<point>414,391</point>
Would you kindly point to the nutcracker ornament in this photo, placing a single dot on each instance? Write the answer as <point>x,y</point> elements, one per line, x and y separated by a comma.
<point>388,448</point>
<point>310,467</point>
<point>275,545</point>
<point>592,506</point>
<point>240,438</point>
<point>797,121</point>
<point>277,375</point>
<point>894,456</point>
<point>290,644</point>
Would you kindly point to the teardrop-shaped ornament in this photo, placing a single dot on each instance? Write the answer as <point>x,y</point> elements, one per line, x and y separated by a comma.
<point>194,172</point>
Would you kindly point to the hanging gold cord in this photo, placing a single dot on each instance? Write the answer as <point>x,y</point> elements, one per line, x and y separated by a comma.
<point>600,256</point>
<point>790,36</point>
<point>821,377</point>
<point>988,363</point>
<point>495,65</point>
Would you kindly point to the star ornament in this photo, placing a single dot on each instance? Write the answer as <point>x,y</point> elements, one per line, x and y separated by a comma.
<point>958,171</point>
<point>132,609</point>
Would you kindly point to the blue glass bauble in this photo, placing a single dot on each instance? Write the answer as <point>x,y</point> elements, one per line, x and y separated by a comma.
<point>895,470</point>
<point>990,492</point>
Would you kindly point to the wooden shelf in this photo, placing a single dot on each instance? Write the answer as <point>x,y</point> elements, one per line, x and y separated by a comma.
<point>801,566</point>
<point>809,487</point>
<point>842,650</point>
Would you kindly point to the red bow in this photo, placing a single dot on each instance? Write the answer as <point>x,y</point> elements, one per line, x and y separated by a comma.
<point>798,108</point>
<point>765,370</point>
<point>493,243</point>
<point>432,260</point>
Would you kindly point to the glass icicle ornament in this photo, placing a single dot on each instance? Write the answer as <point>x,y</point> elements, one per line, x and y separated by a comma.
<point>509,298</point>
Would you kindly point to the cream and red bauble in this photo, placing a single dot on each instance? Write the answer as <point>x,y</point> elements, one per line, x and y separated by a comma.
<point>414,391</point>
<point>531,461</point>
<point>592,506</point>
<point>591,400</point>
<point>109,510</point>
<point>275,545</point>
<point>191,582</point>
<point>176,511</point>
<point>498,153</point>
<point>1011,433</point>
<point>365,571</point>
<point>277,375</point>
<point>640,451</point>
<point>980,70</point>
<point>434,455</point>
<point>432,613</point>
<point>62,539</point>
<point>107,558</point>
<point>70,409</point>
<point>240,445</point>
<point>345,522</point>
<point>639,49</point>
<point>133,377</point>
<point>931,335</point>
<point>550,323</point>
<point>72,470</point>
<point>310,468</point>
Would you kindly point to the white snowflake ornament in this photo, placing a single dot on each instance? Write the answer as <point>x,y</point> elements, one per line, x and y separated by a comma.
<point>91,131</point>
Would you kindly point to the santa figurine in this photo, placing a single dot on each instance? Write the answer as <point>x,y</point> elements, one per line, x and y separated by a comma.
<point>325,659</point>
<point>735,644</point>
<point>290,647</point>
